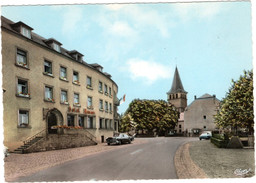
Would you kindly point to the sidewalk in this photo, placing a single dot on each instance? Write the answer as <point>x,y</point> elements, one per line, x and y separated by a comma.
<point>202,159</point>
<point>17,165</point>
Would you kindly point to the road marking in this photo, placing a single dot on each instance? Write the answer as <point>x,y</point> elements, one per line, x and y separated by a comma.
<point>137,151</point>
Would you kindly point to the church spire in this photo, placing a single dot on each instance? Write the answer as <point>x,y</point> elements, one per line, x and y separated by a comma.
<point>177,86</point>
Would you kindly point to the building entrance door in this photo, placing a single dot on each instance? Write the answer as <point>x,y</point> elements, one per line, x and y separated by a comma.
<point>52,121</point>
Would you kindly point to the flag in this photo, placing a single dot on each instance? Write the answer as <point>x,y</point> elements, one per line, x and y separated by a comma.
<point>122,100</point>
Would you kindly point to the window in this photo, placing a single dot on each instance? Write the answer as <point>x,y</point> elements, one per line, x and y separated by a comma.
<point>64,97</point>
<point>71,120</point>
<point>110,107</point>
<point>49,94</point>
<point>204,117</point>
<point>106,106</point>
<point>90,122</point>
<point>115,125</point>
<point>179,126</point>
<point>110,92</point>
<point>100,87</point>
<point>23,118</point>
<point>110,124</point>
<point>56,47</point>
<point>106,89</point>
<point>47,68</point>
<point>26,32</point>
<point>89,82</point>
<point>63,73</point>
<point>101,123</point>
<point>106,123</point>
<point>22,89</point>
<point>75,77</point>
<point>81,121</point>
<point>204,127</point>
<point>21,59</point>
<point>76,99</point>
<point>101,105</point>
<point>89,103</point>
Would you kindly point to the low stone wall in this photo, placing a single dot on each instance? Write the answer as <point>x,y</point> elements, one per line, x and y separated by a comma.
<point>63,141</point>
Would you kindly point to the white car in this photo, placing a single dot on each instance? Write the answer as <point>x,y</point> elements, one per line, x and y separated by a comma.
<point>205,135</point>
<point>6,151</point>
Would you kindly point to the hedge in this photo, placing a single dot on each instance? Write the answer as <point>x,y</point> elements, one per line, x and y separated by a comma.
<point>221,143</point>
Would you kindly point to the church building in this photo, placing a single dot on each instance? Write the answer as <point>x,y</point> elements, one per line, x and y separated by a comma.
<point>196,117</point>
<point>177,96</point>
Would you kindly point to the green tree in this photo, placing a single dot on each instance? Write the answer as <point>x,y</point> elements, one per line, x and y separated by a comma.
<point>236,109</point>
<point>150,115</point>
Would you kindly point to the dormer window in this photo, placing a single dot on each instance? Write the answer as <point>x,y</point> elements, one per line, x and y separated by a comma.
<point>23,29</point>
<point>76,55</point>
<point>26,32</point>
<point>97,66</point>
<point>54,44</point>
<point>56,47</point>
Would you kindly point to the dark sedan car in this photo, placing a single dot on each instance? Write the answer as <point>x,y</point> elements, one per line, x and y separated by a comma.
<point>120,139</point>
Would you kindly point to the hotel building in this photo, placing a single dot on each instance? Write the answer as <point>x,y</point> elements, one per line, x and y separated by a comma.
<point>52,93</point>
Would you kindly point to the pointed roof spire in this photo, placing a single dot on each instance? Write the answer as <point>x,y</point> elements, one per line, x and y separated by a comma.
<point>177,86</point>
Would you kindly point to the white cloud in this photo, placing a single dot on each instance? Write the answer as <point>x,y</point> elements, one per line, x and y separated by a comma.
<point>71,17</point>
<point>144,18</point>
<point>121,29</point>
<point>186,11</point>
<point>141,18</point>
<point>148,70</point>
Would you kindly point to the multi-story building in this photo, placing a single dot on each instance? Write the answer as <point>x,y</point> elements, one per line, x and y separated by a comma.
<point>48,89</point>
<point>199,115</point>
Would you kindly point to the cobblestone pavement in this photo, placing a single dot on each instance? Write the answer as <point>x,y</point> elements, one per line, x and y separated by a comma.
<point>222,162</point>
<point>185,167</point>
<point>17,165</point>
<point>202,159</point>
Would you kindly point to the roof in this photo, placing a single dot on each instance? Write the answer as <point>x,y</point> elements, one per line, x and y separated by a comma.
<point>177,86</point>
<point>9,25</point>
<point>96,65</point>
<point>206,96</point>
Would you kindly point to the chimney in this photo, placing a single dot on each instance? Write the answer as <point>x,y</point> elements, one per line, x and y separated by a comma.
<point>195,97</point>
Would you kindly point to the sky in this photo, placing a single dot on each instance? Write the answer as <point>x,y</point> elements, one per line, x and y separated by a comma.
<point>141,44</point>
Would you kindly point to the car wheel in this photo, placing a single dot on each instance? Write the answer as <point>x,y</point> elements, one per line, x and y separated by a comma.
<point>200,139</point>
<point>129,142</point>
<point>108,143</point>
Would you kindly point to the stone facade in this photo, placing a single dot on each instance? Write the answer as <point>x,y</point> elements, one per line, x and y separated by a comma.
<point>63,141</point>
<point>198,115</point>
<point>37,97</point>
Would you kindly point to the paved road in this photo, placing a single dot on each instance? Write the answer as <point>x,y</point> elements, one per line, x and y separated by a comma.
<point>152,160</point>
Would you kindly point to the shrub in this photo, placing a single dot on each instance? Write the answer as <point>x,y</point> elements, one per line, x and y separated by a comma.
<point>219,142</point>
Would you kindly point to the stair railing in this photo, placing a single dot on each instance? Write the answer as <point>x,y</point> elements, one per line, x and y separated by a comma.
<point>41,133</point>
<point>90,136</point>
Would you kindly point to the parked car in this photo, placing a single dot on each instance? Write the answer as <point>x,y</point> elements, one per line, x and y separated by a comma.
<point>120,139</point>
<point>6,151</point>
<point>205,135</point>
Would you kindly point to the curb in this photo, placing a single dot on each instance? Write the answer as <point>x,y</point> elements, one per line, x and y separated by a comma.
<point>185,167</point>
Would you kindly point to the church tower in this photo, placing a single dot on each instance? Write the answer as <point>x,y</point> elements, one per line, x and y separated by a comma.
<point>177,96</point>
